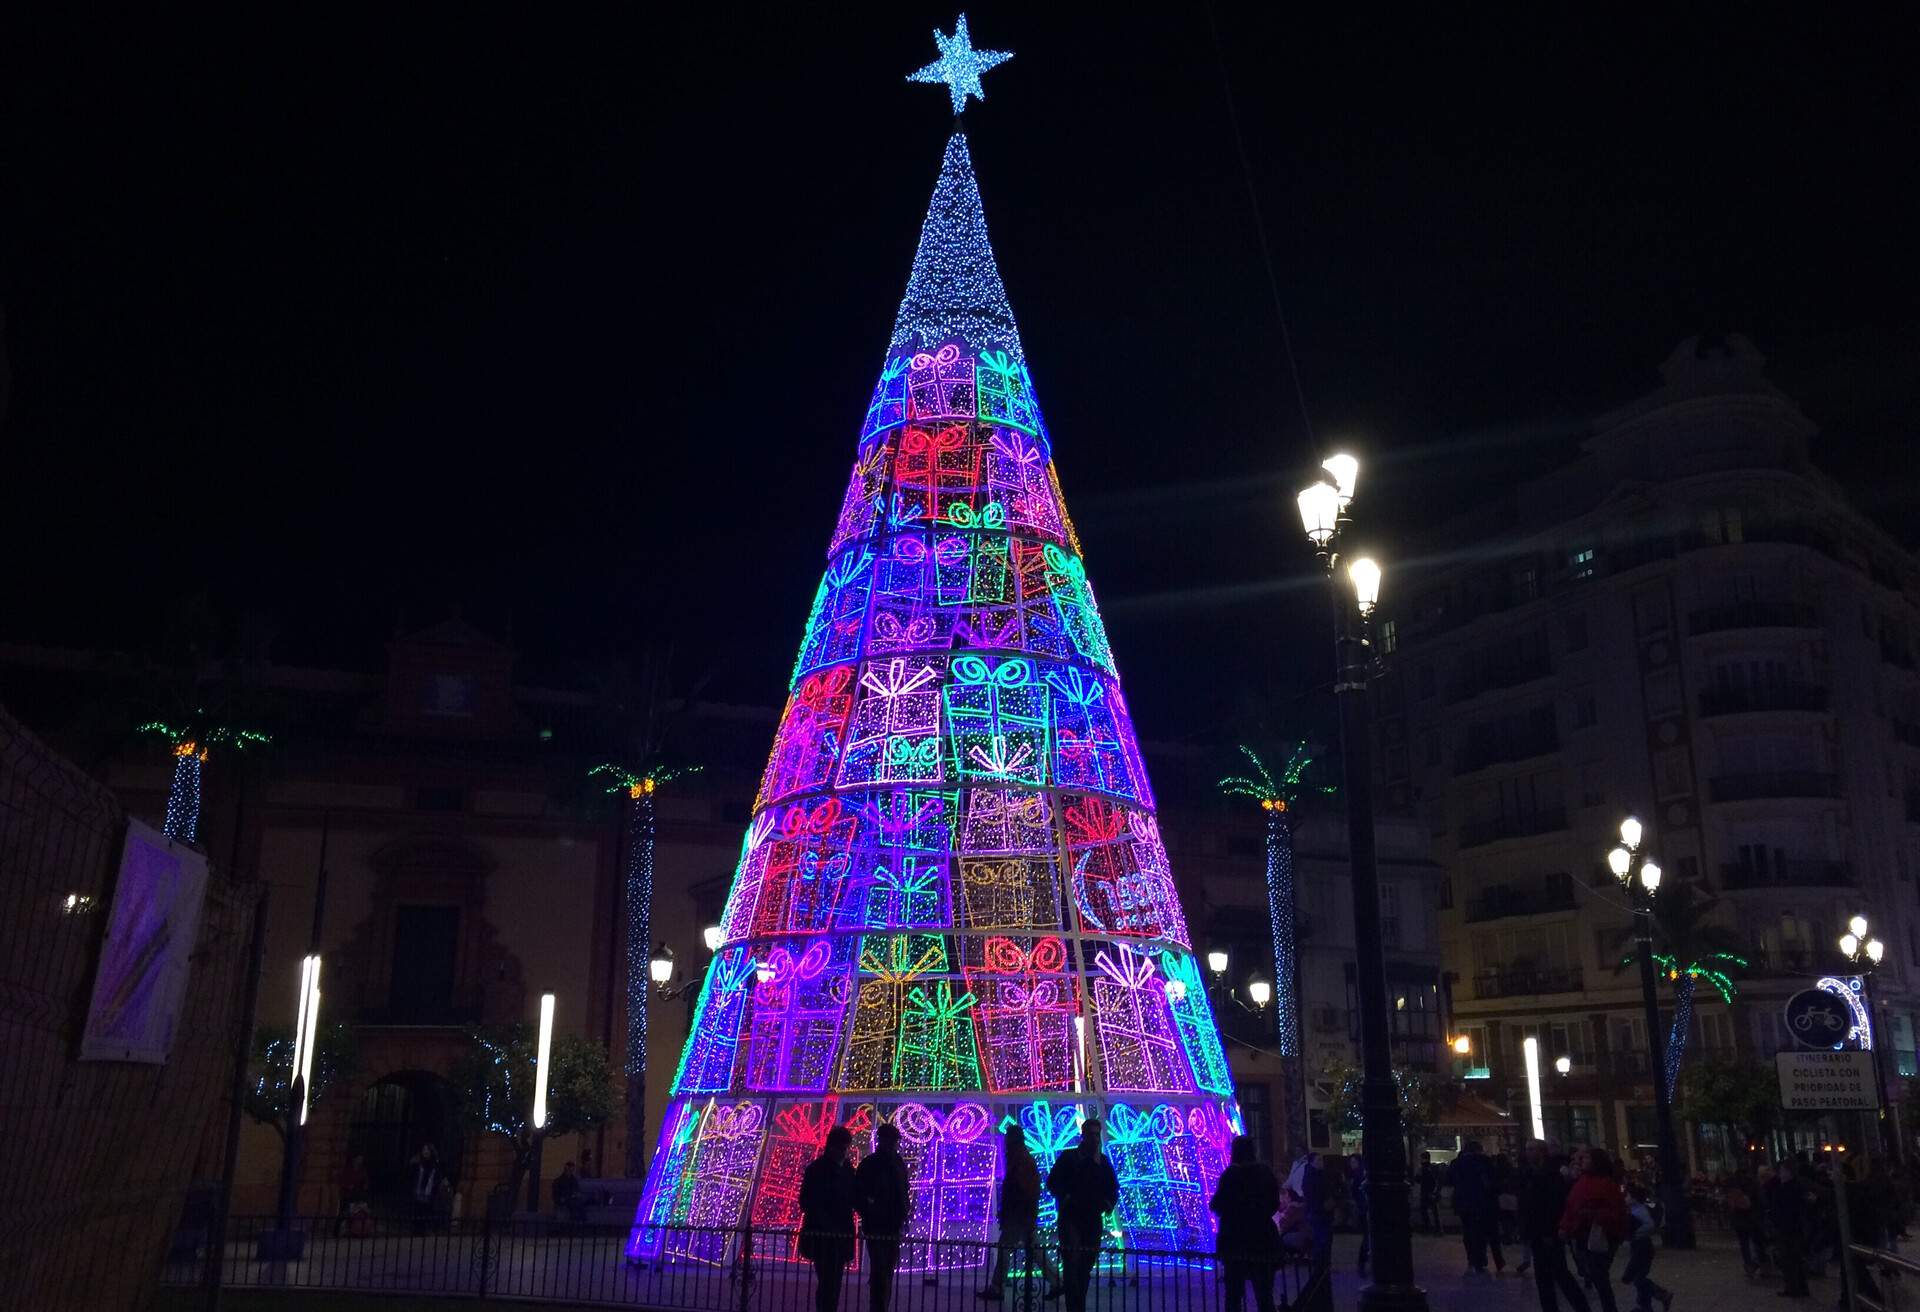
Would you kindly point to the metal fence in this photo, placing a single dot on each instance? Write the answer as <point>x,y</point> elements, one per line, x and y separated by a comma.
<point>698,1270</point>
<point>95,1157</point>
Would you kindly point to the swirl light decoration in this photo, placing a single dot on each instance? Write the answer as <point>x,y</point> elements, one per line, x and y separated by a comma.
<point>953,909</point>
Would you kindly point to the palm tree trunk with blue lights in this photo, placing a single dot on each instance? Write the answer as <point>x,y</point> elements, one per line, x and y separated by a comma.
<point>1682,1025</point>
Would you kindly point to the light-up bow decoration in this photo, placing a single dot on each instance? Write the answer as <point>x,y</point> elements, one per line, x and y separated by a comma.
<point>960,65</point>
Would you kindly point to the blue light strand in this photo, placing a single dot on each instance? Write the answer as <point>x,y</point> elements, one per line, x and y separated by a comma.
<point>639,899</point>
<point>954,293</point>
<point>1280,910</point>
<point>183,799</point>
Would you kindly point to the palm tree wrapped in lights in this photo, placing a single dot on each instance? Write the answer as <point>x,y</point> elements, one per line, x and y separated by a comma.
<point>639,784</point>
<point>1691,950</point>
<point>1277,798</point>
<point>193,741</point>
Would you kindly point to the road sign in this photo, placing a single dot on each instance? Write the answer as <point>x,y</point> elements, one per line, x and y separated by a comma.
<point>1826,1081</point>
<point>1817,1018</point>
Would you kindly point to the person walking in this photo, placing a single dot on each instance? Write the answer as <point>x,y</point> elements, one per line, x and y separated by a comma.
<point>1020,1220</point>
<point>567,1196</point>
<point>884,1198</point>
<point>1743,1218</point>
<point>1085,1189</point>
<point>826,1217</point>
<point>1788,1217</point>
<point>426,1186</point>
<point>1476,1204</point>
<point>1357,1194</point>
<point>1595,1222</point>
<point>1541,1190</point>
<point>1640,1254</point>
<point>1248,1245</point>
<point>1429,1194</point>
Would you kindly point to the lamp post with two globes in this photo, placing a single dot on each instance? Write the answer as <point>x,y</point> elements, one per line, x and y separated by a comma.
<point>1863,951</point>
<point>1639,876</point>
<point>1356,590</point>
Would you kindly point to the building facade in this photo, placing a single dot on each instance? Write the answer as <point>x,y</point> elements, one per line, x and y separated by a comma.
<point>1689,624</point>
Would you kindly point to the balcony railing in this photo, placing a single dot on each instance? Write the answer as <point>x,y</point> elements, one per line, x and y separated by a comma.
<point>1478,833</point>
<point>1491,679</point>
<point>1787,874</point>
<point>1795,961</point>
<point>1518,983</point>
<point>1754,615</point>
<point>1764,697</point>
<point>1773,783</point>
<point>1502,901</point>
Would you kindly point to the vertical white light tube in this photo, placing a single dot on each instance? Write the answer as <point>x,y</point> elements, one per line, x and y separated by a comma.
<point>540,1062</point>
<point>300,1029</point>
<point>1079,1053</point>
<point>312,1013</point>
<point>1532,1050</point>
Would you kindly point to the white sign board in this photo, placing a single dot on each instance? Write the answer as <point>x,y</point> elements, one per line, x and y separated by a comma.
<point>1826,1081</point>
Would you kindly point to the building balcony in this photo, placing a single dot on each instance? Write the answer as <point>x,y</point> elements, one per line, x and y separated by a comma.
<point>1502,901</point>
<point>1497,678</point>
<point>1763,697</point>
<point>1753,615</point>
<point>1794,962</point>
<point>1524,982</point>
<point>1787,874</point>
<point>1479,833</point>
<point>1773,783</point>
<point>1506,749</point>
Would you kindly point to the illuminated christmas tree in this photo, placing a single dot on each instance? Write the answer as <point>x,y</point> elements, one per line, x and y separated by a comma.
<point>952,908</point>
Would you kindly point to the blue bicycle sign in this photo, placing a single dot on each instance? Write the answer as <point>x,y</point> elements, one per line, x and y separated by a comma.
<point>1817,1018</point>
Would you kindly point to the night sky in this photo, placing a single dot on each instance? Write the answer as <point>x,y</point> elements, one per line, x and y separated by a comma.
<point>567,321</point>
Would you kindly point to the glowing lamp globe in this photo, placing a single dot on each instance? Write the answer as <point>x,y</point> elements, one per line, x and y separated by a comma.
<point>1849,944</point>
<point>1630,832</point>
<point>1319,512</point>
<point>712,937</point>
<point>1260,991</point>
<point>661,967</point>
<point>1875,950</point>
<point>1365,574</point>
<point>1463,1045</point>
<point>1563,1064</point>
<point>1650,877</point>
<point>1217,961</point>
<point>1858,926</point>
<point>1346,475</point>
<point>1620,860</point>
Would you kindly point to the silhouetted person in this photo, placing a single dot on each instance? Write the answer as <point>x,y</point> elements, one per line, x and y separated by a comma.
<point>426,1185</point>
<point>1477,1206</point>
<point>826,1217</point>
<point>1542,1192</point>
<point>1085,1188</point>
<point>1789,1215</point>
<point>1020,1219</point>
<point>1429,1194</point>
<point>1249,1242</point>
<point>567,1196</point>
<point>884,1198</point>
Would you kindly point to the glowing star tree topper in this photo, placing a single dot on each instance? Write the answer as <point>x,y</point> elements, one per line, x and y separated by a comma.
<point>960,65</point>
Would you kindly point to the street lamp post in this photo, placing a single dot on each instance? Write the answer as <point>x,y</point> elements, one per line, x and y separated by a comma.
<point>1864,951</point>
<point>1323,514</point>
<point>1639,875</point>
<point>1562,1067</point>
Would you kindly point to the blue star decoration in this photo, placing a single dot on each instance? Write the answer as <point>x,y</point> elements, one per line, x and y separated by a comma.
<point>960,65</point>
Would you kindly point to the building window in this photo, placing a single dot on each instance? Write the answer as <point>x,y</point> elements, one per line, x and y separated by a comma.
<point>1722,525</point>
<point>426,944</point>
<point>1389,638</point>
<point>1256,1111</point>
<point>1580,561</point>
<point>1576,633</point>
<point>1390,915</point>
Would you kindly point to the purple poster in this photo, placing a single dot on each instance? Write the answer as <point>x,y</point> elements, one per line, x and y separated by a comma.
<point>144,961</point>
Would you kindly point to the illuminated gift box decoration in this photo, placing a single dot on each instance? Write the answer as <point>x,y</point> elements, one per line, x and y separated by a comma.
<point>953,841</point>
<point>895,733</point>
<point>890,965</point>
<point>997,720</point>
<point>798,1009</point>
<point>1050,1130</point>
<point>810,734</point>
<point>1193,1020</point>
<point>1025,1014</point>
<point>1139,1052</point>
<point>839,612</point>
<point>953,1160</point>
<point>707,1063</point>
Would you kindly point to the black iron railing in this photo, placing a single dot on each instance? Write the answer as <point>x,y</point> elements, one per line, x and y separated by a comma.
<point>1787,874</point>
<point>1780,695</point>
<point>1478,833</point>
<point>1525,981</point>
<point>688,1267</point>
<point>1754,615</point>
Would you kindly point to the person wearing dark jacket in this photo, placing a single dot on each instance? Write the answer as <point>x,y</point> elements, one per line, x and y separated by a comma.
<point>1085,1188</point>
<point>1789,1216</point>
<point>1542,1192</point>
<point>1020,1219</point>
<point>1249,1243</point>
<point>1477,1205</point>
<point>827,1196</point>
<point>883,1196</point>
<point>1429,1194</point>
<point>1594,1222</point>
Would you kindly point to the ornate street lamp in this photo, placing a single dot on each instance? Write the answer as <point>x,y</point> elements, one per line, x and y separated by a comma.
<point>1324,510</point>
<point>1639,876</point>
<point>1863,951</point>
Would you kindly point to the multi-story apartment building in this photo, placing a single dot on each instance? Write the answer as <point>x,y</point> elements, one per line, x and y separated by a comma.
<point>1688,623</point>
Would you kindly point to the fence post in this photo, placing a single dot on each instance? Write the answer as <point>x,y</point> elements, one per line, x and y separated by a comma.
<point>237,1097</point>
<point>746,1267</point>
<point>486,1247</point>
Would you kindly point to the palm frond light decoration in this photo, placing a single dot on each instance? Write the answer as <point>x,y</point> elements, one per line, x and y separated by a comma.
<point>193,742</point>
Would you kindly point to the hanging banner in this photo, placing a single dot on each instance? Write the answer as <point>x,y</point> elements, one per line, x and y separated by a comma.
<point>144,962</point>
